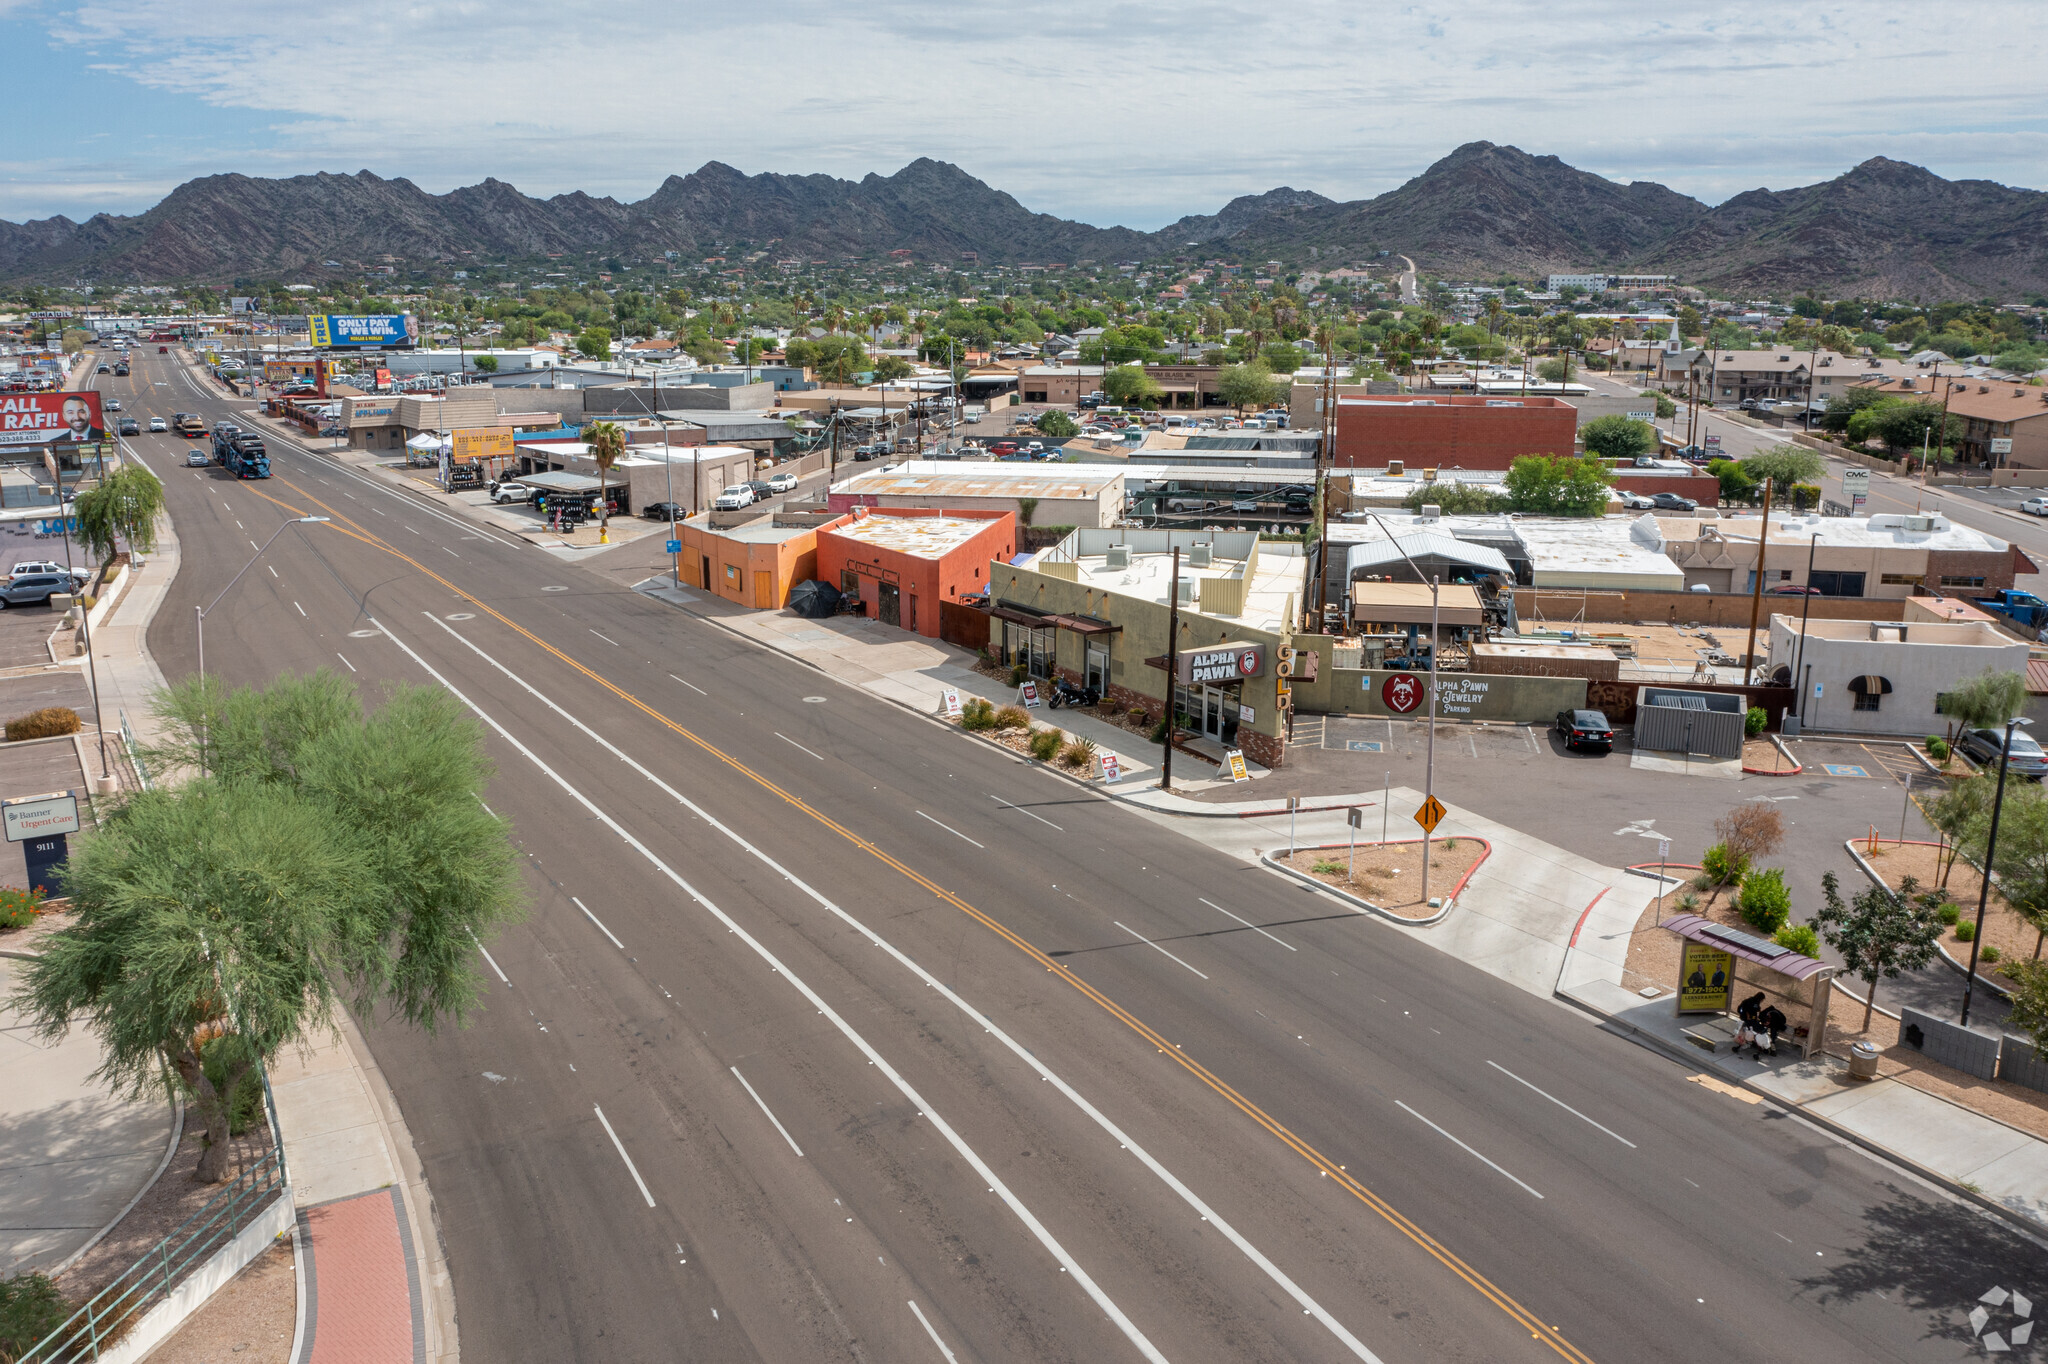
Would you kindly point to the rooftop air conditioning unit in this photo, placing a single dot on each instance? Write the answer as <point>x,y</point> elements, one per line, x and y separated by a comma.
<point>1119,556</point>
<point>1431,511</point>
<point>1184,591</point>
<point>1398,469</point>
<point>1201,555</point>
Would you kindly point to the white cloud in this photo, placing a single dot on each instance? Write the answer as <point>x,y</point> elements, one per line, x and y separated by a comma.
<point>1112,112</point>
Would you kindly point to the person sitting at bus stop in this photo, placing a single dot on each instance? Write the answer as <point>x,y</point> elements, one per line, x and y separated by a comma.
<point>1772,1021</point>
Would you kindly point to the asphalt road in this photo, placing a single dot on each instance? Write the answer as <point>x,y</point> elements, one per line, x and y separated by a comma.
<point>833,1035</point>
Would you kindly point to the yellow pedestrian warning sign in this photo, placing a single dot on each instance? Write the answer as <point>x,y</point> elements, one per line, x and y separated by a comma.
<point>1430,815</point>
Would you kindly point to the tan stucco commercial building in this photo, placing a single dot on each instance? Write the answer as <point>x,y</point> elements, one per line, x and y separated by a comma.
<point>1057,494</point>
<point>1094,609</point>
<point>1891,555</point>
<point>1885,677</point>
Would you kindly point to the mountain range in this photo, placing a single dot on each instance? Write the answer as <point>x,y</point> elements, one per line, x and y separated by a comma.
<point>1884,229</point>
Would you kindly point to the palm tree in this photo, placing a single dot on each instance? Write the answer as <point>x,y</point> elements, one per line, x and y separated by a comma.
<point>607,443</point>
<point>1494,310</point>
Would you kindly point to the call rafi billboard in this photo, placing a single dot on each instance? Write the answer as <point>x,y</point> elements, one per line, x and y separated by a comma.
<point>349,330</point>
<point>45,418</point>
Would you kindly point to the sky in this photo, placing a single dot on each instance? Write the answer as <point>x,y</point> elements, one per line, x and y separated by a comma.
<point>1108,112</point>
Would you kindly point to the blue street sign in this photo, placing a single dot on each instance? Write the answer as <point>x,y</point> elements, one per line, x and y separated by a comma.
<point>673,546</point>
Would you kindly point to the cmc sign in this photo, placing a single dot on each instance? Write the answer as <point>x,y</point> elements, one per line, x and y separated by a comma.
<point>482,443</point>
<point>387,329</point>
<point>40,816</point>
<point>1225,663</point>
<point>43,418</point>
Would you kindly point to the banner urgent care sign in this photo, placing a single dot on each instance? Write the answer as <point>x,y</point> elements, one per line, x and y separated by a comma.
<point>41,418</point>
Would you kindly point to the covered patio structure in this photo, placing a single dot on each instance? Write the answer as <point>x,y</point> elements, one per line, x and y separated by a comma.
<point>1799,985</point>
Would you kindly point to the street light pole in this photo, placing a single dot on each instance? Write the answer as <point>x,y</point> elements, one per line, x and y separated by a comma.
<point>1172,669</point>
<point>1990,855</point>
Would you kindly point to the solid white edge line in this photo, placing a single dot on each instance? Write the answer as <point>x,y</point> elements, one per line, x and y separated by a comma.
<point>1248,924</point>
<point>487,953</point>
<point>606,638</point>
<point>1562,1104</point>
<point>794,744</point>
<point>1454,1141</point>
<point>344,658</point>
<point>1153,945</point>
<point>928,1330</point>
<point>1017,1049</point>
<point>300,609</point>
<point>993,1181</point>
<point>600,924</point>
<point>630,1167</point>
<point>1022,811</point>
<point>770,1113</point>
<point>949,829</point>
<point>692,686</point>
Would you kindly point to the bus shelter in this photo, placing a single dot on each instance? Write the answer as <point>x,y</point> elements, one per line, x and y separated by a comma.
<point>1718,961</point>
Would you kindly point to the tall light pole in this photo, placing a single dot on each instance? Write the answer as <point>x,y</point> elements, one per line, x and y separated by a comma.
<point>1990,855</point>
<point>1435,621</point>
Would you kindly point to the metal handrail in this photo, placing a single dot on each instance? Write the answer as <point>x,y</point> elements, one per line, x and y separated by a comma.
<point>106,1316</point>
<point>134,758</point>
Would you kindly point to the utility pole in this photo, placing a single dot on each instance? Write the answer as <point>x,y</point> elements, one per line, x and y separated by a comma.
<point>1172,669</point>
<point>1756,599</point>
<point>1326,462</point>
<point>1805,614</point>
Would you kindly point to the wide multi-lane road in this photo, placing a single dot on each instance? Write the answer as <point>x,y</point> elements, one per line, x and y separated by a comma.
<point>832,1034</point>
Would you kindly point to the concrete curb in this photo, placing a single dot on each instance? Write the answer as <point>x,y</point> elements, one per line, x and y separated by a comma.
<point>1779,744</point>
<point>1450,901</point>
<point>177,1137</point>
<point>1621,1027</point>
<point>2001,994</point>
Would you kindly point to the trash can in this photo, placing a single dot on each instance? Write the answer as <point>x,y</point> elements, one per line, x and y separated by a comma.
<point>1863,1061</point>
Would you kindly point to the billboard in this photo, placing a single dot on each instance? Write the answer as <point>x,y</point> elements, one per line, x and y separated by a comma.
<point>483,442</point>
<point>44,418</point>
<point>386,329</point>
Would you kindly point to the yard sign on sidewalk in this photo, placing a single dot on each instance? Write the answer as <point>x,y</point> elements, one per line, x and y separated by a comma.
<point>1028,694</point>
<point>1112,767</point>
<point>949,703</point>
<point>1236,759</point>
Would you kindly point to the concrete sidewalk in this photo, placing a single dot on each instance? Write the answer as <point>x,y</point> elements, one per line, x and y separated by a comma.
<point>343,1136</point>
<point>2000,1166</point>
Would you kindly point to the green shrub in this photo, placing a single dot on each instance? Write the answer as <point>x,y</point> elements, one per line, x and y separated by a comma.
<point>30,1308</point>
<point>1987,954</point>
<point>1965,931</point>
<point>1016,674</point>
<point>1948,914</point>
<point>18,908</point>
<point>1937,748</point>
<point>1722,866</point>
<point>1799,938</point>
<point>1045,744</point>
<point>1689,901</point>
<point>1753,723</point>
<point>1077,754</point>
<point>1326,867</point>
<point>1138,716</point>
<point>46,723</point>
<point>1159,731</point>
<point>977,714</point>
<point>1765,903</point>
<point>1013,717</point>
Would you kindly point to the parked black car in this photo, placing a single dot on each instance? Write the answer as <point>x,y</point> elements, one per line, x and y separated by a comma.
<point>664,511</point>
<point>1584,728</point>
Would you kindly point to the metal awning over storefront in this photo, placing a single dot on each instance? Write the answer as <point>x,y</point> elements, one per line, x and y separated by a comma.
<point>1083,625</point>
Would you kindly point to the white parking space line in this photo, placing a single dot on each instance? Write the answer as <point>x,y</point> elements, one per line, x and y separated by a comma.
<point>1022,811</point>
<point>600,924</point>
<point>794,744</point>
<point>993,1181</point>
<point>1153,945</point>
<point>951,830</point>
<point>933,1334</point>
<point>1248,924</point>
<point>692,686</point>
<point>771,1116</point>
<point>1461,1145</point>
<point>630,1168</point>
<point>1562,1104</point>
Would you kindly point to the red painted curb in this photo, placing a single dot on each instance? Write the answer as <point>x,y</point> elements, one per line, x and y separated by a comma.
<point>1582,917</point>
<point>1774,771</point>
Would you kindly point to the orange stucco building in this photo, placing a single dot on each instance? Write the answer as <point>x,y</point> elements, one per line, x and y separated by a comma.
<point>753,564</point>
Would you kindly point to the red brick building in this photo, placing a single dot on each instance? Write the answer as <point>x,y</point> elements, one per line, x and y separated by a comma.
<point>903,562</point>
<point>1450,432</point>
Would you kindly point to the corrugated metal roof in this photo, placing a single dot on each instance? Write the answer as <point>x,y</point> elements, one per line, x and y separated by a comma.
<point>1374,553</point>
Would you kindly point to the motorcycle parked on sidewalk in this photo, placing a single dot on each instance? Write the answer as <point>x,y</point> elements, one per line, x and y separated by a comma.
<point>1065,693</point>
